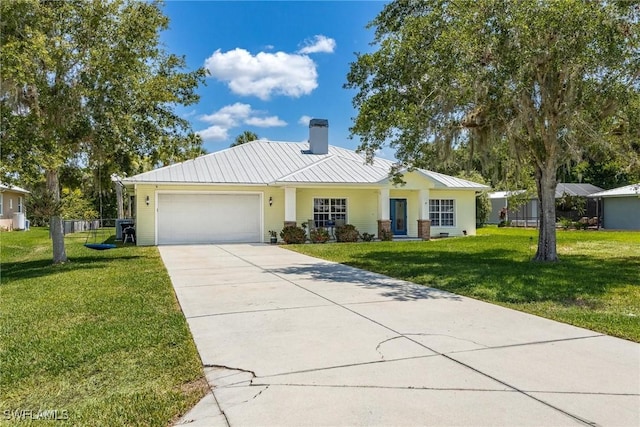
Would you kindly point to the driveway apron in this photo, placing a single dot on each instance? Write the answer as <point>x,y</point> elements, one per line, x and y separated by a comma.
<point>291,340</point>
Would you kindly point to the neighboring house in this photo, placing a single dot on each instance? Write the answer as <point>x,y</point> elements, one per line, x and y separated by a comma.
<point>500,200</point>
<point>239,194</point>
<point>12,210</point>
<point>528,212</point>
<point>620,207</point>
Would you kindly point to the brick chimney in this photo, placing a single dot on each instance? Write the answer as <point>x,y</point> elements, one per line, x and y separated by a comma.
<point>319,136</point>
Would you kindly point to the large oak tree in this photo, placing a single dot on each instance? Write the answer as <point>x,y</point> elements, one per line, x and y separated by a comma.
<point>89,82</point>
<point>553,80</point>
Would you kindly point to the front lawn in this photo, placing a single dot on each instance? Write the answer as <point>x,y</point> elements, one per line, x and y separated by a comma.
<point>100,339</point>
<point>596,284</point>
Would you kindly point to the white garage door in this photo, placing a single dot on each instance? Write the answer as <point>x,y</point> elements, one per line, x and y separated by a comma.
<point>208,218</point>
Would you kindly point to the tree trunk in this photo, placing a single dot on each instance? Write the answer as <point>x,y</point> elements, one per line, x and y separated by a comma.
<point>119,199</point>
<point>546,183</point>
<point>55,223</point>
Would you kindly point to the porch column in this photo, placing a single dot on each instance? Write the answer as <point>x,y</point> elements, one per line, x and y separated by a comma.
<point>289,206</point>
<point>423,208</point>
<point>424,223</point>
<point>384,223</point>
<point>383,204</point>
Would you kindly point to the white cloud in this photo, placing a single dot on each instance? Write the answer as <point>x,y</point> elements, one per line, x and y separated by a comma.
<point>228,116</point>
<point>232,116</point>
<point>264,74</point>
<point>319,43</point>
<point>265,122</point>
<point>214,133</point>
<point>304,120</point>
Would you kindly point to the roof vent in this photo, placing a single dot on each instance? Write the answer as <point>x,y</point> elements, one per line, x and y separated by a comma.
<point>319,136</point>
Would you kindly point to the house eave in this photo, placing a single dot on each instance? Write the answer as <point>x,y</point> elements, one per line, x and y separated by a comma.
<point>614,196</point>
<point>14,190</point>
<point>131,184</point>
<point>326,184</point>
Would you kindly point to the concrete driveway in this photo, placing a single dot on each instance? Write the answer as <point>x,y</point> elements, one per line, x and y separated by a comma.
<point>291,340</point>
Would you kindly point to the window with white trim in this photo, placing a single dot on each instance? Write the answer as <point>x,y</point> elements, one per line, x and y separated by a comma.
<point>20,204</point>
<point>1,204</point>
<point>325,210</point>
<point>442,212</point>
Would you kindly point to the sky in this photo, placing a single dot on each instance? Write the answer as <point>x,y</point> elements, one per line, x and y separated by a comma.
<point>273,65</point>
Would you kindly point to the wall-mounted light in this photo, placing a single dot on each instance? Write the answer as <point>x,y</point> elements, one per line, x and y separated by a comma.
<point>270,201</point>
<point>147,200</point>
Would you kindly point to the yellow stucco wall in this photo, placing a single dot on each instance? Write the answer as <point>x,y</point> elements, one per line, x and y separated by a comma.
<point>362,205</point>
<point>146,215</point>
<point>414,181</point>
<point>465,205</point>
<point>465,210</point>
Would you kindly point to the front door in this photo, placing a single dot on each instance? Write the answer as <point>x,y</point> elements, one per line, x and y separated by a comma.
<point>398,214</point>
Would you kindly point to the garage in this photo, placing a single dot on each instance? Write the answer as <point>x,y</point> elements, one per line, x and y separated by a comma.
<point>184,218</point>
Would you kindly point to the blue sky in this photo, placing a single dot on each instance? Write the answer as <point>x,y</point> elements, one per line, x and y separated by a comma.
<point>273,65</point>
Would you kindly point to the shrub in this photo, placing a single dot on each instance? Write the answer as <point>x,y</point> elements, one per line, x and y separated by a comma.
<point>483,208</point>
<point>579,225</point>
<point>293,235</point>
<point>367,237</point>
<point>347,233</point>
<point>565,223</point>
<point>386,236</point>
<point>319,235</point>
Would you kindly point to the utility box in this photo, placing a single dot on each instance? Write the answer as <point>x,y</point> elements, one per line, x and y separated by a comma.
<point>19,221</point>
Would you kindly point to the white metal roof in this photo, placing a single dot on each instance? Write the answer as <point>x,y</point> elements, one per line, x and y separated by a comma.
<point>562,188</point>
<point>338,169</point>
<point>4,187</point>
<point>575,189</point>
<point>504,194</point>
<point>629,190</point>
<point>269,162</point>
<point>447,181</point>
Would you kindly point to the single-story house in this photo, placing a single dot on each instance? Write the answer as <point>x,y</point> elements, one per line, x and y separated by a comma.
<point>620,207</point>
<point>240,193</point>
<point>527,213</point>
<point>500,200</point>
<point>12,210</point>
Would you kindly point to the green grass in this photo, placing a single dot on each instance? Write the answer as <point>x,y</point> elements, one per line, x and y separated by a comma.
<point>101,337</point>
<point>595,285</point>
